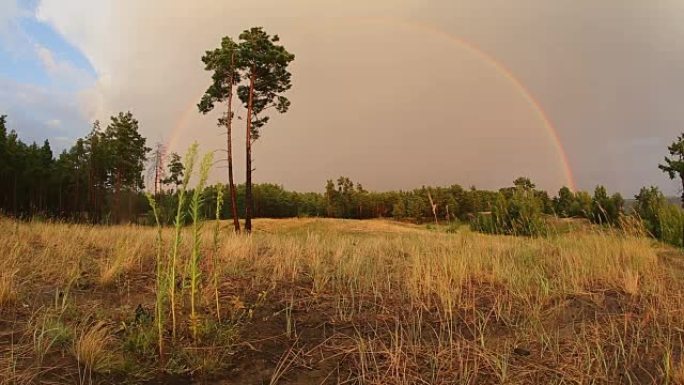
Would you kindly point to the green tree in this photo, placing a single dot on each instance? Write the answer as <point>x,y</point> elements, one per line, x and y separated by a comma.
<point>4,162</point>
<point>127,155</point>
<point>663,220</point>
<point>265,66</point>
<point>563,202</point>
<point>417,207</point>
<point>599,206</point>
<point>674,165</point>
<point>649,202</point>
<point>46,163</point>
<point>76,161</point>
<point>97,164</point>
<point>330,198</point>
<point>617,206</point>
<point>345,195</point>
<point>273,201</point>
<point>582,205</point>
<point>362,201</point>
<point>15,151</point>
<point>78,184</point>
<point>399,209</point>
<point>175,171</point>
<point>524,183</point>
<point>225,63</point>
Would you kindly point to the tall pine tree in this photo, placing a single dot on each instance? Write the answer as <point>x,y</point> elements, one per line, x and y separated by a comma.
<point>265,65</point>
<point>225,62</point>
<point>127,154</point>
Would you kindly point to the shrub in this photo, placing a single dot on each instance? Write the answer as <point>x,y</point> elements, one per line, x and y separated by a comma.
<point>484,223</point>
<point>606,210</point>
<point>521,214</point>
<point>671,224</point>
<point>664,221</point>
<point>453,226</point>
<point>648,203</point>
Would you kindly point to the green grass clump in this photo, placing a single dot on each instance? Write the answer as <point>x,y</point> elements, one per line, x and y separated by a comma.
<point>215,256</point>
<point>520,214</point>
<point>194,262</point>
<point>189,159</point>
<point>161,275</point>
<point>671,224</point>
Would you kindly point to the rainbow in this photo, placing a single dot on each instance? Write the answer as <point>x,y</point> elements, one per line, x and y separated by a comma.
<point>182,122</point>
<point>507,73</point>
<point>491,61</point>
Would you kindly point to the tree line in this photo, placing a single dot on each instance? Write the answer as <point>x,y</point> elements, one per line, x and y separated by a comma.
<point>98,179</point>
<point>345,199</point>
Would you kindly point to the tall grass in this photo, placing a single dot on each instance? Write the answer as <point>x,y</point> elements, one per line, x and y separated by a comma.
<point>189,163</point>
<point>215,249</point>
<point>160,277</point>
<point>194,261</point>
<point>384,302</point>
<point>520,214</point>
<point>8,293</point>
<point>91,348</point>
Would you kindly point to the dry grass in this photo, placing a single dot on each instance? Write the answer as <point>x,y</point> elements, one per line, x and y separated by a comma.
<point>91,348</point>
<point>631,282</point>
<point>365,302</point>
<point>126,256</point>
<point>8,290</point>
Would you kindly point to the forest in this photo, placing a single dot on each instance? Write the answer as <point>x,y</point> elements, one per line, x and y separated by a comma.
<point>100,179</point>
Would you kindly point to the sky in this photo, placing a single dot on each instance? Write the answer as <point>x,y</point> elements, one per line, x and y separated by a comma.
<point>394,94</point>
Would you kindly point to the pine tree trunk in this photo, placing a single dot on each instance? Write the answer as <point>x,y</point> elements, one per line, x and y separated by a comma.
<point>229,148</point>
<point>231,181</point>
<point>248,163</point>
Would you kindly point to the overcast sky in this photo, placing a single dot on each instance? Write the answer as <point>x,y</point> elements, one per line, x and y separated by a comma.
<point>394,94</point>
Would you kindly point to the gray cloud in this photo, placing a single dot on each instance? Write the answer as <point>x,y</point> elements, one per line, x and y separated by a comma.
<point>395,105</point>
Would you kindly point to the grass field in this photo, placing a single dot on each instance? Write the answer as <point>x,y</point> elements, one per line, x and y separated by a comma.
<point>318,301</point>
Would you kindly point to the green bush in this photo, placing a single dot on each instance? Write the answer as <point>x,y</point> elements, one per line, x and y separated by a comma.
<point>484,223</point>
<point>671,224</point>
<point>453,226</point>
<point>606,210</point>
<point>663,220</point>
<point>521,214</point>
